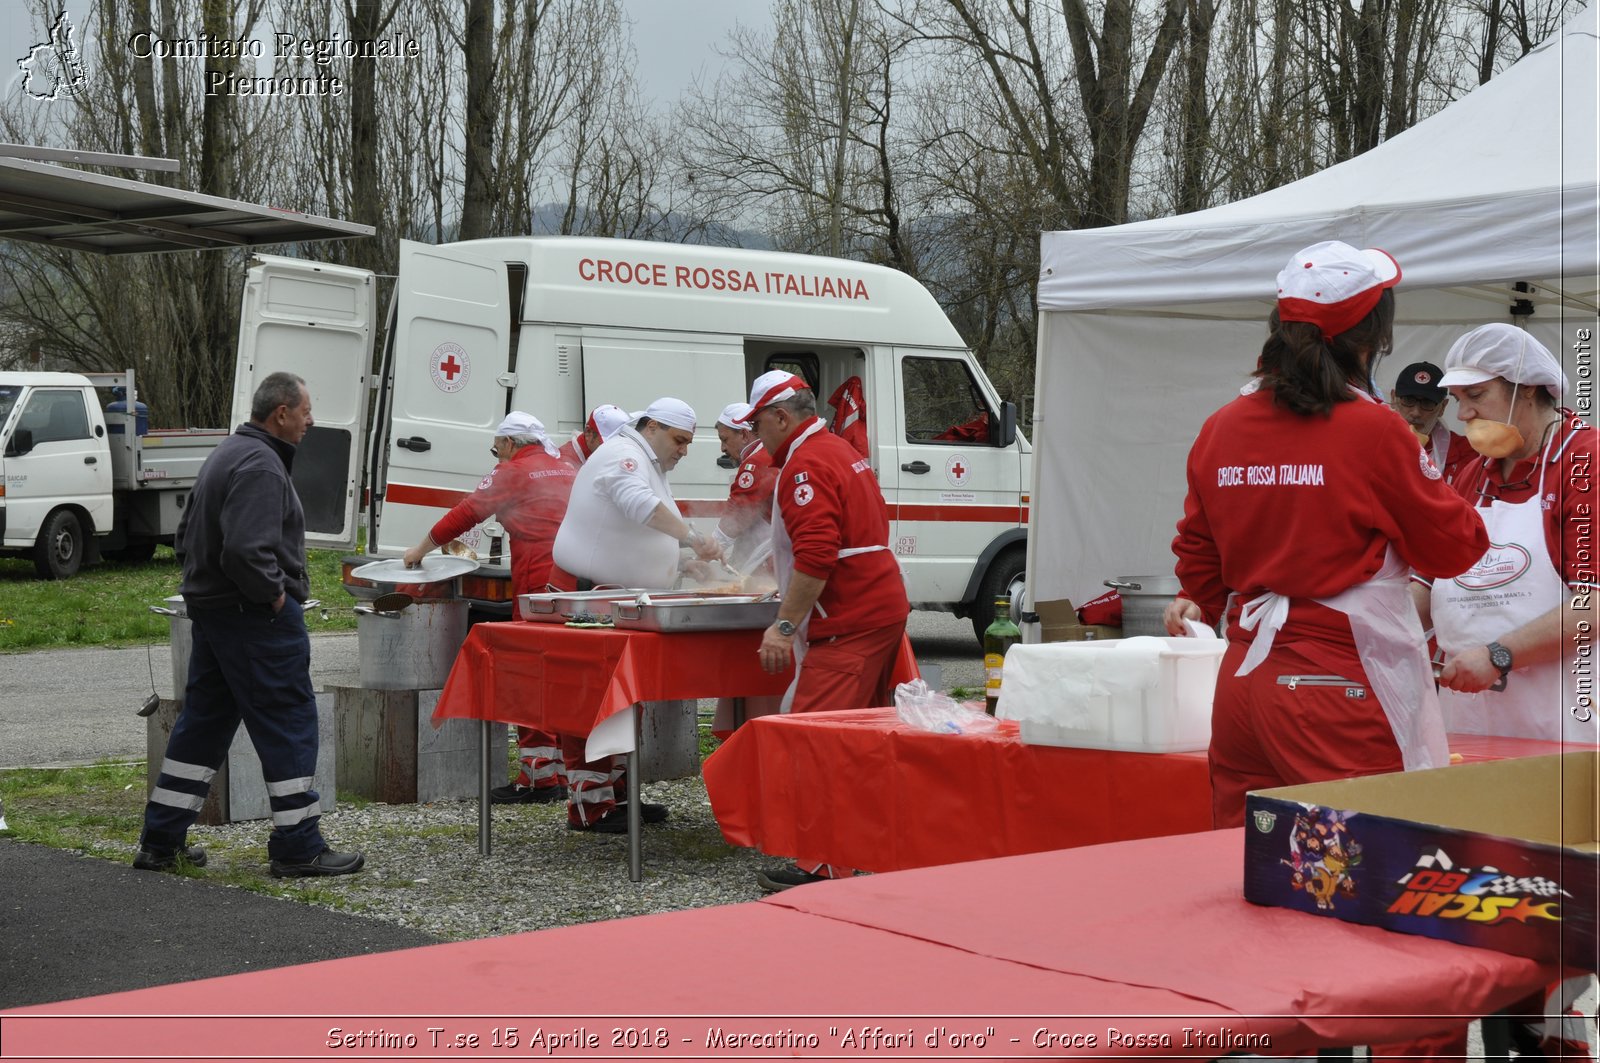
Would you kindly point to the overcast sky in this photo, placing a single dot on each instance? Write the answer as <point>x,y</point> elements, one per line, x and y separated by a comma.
<point>674,39</point>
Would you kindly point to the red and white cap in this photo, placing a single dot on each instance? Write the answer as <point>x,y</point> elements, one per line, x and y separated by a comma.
<point>736,415</point>
<point>1333,286</point>
<point>772,387</point>
<point>606,419</point>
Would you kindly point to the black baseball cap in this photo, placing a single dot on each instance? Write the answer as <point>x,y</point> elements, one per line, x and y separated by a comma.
<point>1420,380</point>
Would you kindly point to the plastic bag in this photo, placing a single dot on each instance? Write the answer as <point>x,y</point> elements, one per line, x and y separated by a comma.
<point>930,710</point>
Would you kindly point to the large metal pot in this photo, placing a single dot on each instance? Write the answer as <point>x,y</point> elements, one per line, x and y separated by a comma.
<point>412,648</point>
<point>1144,601</point>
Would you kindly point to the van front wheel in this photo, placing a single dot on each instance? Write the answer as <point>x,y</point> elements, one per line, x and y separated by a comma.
<point>1007,575</point>
<point>58,552</point>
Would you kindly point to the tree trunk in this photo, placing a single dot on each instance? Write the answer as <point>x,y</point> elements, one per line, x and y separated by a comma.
<point>480,112</point>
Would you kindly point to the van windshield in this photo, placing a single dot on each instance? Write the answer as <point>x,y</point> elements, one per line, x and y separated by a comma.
<point>8,399</point>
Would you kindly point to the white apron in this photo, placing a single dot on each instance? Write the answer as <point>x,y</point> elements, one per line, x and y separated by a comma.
<point>783,562</point>
<point>1393,651</point>
<point>1514,582</point>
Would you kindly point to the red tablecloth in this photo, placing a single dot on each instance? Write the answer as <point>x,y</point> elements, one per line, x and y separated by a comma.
<point>1147,938</point>
<point>860,789</point>
<point>567,679</point>
<point>863,790</point>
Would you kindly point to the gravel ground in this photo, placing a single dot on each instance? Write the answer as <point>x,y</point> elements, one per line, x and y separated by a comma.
<point>423,870</point>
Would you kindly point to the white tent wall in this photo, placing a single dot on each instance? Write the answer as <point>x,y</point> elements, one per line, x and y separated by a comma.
<point>1146,329</point>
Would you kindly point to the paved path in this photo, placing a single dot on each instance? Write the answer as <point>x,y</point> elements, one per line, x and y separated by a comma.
<point>79,706</point>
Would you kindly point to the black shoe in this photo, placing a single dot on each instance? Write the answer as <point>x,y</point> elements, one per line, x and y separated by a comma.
<point>169,859</point>
<point>787,877</point>
<point>648,813</point>
<point>616,821</point>
<point>323,864</point>
<point>512,794</point>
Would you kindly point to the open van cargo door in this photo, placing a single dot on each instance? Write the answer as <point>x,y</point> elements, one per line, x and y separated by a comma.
<point>451,386</point>
<point>314,320</point>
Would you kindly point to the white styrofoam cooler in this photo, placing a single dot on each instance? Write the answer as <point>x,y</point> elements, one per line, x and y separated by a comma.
<point>1144,695</point>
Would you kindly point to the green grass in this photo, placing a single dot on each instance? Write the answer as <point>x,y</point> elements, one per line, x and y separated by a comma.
<point>109,604</point>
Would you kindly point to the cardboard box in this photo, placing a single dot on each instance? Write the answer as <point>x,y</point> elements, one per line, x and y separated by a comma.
<point>1058,622</point>
<point>1501,855</point>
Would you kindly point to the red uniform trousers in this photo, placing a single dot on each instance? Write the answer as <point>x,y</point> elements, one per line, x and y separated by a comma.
<point>1264,734</point>
<point>847,672</point>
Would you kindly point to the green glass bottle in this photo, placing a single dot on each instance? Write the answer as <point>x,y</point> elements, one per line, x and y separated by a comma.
<point>998,637</point>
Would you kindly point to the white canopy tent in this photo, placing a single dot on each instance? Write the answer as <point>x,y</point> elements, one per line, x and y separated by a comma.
<point>1145,329</point>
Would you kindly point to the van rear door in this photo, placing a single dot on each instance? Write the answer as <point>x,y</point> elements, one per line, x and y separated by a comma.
<point>314,320</point>
<point>451,386</point>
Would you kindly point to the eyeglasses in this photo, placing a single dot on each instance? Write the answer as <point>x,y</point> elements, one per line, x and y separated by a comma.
<point>1492,492</point>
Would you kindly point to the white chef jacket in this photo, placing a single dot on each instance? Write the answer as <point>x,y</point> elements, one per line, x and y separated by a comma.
<point>604,537</point>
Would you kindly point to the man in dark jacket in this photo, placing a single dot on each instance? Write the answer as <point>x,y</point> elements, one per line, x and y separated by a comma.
<point>242,544</point>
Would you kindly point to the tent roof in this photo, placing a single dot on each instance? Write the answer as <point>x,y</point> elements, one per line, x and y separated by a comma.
<point>1498,186</point>
<point>85,211</point>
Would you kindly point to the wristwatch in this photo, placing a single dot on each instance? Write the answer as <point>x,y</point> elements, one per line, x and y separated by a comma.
<point>785,628</point>
<point>1500,657</point>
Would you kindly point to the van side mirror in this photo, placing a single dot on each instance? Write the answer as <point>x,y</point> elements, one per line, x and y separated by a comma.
<point>21,442</point>
<point>1005,431</point>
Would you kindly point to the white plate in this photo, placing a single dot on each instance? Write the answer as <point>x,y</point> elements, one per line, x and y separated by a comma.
<point>435,568</point>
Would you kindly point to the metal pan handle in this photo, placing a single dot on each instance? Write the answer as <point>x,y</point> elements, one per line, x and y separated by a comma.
<point>1123,585</point>
<point>164,611</point>
<point>627,610</point>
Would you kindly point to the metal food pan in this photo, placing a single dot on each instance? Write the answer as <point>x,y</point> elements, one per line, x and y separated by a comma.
<point>557,606</point>
<point>733,612</point>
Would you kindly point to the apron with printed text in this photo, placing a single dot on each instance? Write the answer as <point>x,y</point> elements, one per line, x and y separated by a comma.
<point>1514,582</point>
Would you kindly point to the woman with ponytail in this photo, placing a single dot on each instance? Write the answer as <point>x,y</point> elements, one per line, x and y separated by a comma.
<point>1310,502</point>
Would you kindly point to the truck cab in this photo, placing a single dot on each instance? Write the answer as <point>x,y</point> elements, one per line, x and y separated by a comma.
<point>56,465</point>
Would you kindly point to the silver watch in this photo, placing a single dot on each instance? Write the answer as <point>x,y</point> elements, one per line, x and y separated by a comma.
<point>785,628</point>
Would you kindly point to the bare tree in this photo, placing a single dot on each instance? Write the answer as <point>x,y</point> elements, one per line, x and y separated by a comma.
<point>800,129</point>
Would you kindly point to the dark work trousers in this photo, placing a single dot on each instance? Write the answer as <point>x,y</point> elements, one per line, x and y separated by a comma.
<point>252,665</point>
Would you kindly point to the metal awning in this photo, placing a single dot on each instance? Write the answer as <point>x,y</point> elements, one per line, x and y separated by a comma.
<point>50,204</point>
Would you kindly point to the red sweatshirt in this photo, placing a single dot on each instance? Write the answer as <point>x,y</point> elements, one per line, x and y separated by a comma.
<point>529,494</point>
<point>750,494</point>
<point>1306,506</point>
<point>830,501</point>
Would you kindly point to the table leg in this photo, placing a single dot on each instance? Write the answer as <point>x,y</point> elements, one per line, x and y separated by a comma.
<point>485,765</point>
<point>635,811</point>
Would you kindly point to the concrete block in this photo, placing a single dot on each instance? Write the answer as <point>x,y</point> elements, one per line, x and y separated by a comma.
<point>389,750</point>
<point>669,742</point>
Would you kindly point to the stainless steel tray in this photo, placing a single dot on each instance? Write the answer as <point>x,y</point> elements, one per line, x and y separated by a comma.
<point>717,612</point>
<point>557,606</point>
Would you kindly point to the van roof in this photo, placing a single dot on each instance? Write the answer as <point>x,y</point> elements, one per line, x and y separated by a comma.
<point>584,280</point>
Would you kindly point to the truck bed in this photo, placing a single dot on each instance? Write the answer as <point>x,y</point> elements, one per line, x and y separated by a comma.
<point>165,459</point>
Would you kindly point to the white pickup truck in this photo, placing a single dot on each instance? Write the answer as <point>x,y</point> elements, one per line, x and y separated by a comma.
<point>78,481</point>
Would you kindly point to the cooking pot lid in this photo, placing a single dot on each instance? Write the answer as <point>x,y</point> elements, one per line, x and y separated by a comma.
<point>435,568</point>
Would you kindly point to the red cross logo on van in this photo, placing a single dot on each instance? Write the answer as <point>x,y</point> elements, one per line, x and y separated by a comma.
<point>957,471</point>
<point>450,368</point>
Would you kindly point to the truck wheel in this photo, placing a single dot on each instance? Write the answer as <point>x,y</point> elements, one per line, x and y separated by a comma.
<point>58,553</point>
<point>1007,575</point>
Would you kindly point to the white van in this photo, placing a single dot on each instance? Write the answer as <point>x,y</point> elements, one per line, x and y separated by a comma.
<point>559,325</point>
